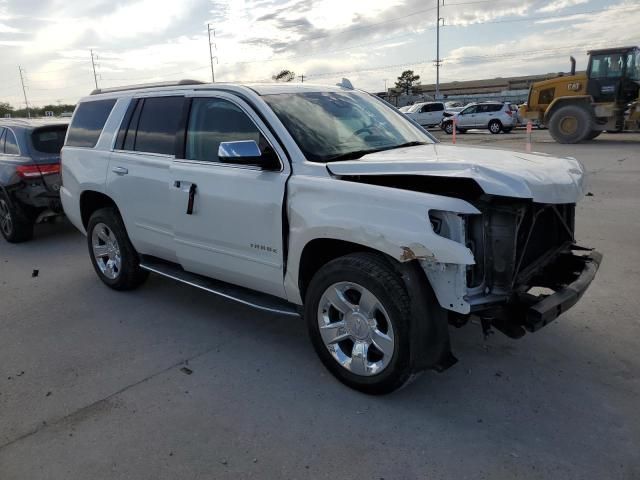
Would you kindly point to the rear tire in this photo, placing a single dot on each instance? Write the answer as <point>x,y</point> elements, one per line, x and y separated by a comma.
<point>112,255</point>
<point>495,126</point>
<point>570,124</point>
<point>14,225</point>
<point>358,314</point>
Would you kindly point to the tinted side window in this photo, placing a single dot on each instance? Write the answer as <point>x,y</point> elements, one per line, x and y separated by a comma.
<point>158,124</point>
<point>213,120</point>
<point>495,108</point>
<point>88,122</point>
<point>11,144</point>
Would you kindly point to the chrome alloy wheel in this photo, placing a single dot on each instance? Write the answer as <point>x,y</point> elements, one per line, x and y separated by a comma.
<point>6,222</point>
<point>106,251</point>
<point>355,328</point>
<point>494,127</point>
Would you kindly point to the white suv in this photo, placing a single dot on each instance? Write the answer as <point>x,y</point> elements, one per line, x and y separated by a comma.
<point>326,203</point>
<point>427,114</point>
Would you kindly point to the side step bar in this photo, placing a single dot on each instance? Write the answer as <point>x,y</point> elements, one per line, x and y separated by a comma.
<point>261,301</point>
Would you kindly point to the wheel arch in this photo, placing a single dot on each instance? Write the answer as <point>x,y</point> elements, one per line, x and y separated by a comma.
<point>431,347</point>
<point>90,201</point>
<point>579,100</point>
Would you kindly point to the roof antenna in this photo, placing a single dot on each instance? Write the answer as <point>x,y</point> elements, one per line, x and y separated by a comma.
<point>345,83</point>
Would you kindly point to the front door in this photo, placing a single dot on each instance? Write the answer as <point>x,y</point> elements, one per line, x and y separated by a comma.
<point>466,118</point>
<point>228,217</point>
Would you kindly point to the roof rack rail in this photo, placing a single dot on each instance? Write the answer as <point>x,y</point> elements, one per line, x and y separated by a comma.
<point>146,85</point>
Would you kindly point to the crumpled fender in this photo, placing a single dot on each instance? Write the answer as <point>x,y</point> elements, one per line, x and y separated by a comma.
<point>392,221</point>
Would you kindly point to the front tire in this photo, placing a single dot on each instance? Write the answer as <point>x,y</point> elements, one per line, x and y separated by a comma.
<point>358,315</point>
<point>14,226</point>
<point>113,257</point>
<point>570,124</point>
<point>448,128</point>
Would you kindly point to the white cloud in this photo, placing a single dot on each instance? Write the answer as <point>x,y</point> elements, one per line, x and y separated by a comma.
<point>372,40</point>
<point>557,5</point>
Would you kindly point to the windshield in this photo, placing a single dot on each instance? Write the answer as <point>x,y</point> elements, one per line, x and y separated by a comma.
<point>332,126</point>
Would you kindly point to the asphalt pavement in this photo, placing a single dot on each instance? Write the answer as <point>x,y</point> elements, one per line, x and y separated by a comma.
<point>168,382</point>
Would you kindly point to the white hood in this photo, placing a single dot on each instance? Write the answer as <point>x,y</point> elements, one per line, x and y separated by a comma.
<point>540,177</point>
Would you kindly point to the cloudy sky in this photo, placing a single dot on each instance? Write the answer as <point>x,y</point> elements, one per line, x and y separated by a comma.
<point>368,41</point>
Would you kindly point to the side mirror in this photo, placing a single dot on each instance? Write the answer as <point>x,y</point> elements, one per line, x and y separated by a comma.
<point>247,152</point>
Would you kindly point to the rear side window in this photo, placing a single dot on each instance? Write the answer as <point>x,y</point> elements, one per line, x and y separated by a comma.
<point>10,143</point>
<point>88,123</point>
<point>157,125</point>
<point>49,139</point>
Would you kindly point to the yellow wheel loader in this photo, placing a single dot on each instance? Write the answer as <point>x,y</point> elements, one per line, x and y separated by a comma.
<point>580,107</point>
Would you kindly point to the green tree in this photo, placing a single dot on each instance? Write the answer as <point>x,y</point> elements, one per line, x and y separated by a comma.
<point>6,108</point>
<point>407,80</point>
<point>284,76</point>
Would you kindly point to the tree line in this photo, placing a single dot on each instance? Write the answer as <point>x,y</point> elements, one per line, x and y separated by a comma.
<point>6,108</point>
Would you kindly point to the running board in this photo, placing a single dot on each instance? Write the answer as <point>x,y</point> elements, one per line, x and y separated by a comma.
<point>261,301</point>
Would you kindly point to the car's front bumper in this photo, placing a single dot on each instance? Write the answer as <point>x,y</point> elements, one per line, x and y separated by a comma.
<point>558,287</point>
<point>579,271</point>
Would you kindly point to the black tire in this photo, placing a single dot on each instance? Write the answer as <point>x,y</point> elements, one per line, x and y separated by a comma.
<point>129,274</point>
<point>15,226</point>
<point>448,128</point>
<point>570,124</point>
<point>376,274</point>
<point>495,126</point>
<point>593,134</point>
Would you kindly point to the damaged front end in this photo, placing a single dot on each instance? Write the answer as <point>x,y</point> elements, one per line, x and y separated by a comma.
<point>528,267</point>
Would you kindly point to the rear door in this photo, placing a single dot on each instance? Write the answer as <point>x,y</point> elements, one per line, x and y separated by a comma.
<point>234,231</point>
<point>139,176</point>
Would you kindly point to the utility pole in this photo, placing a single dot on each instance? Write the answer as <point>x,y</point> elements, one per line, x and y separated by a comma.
<point>385,84</point>
<point>24,91</point>
<point>211,57</point>
<point>301,77</point>
<point>93,64</point>
<point>437,61</point>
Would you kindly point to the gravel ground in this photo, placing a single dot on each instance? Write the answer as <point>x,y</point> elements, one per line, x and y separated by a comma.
<point>168,382</point>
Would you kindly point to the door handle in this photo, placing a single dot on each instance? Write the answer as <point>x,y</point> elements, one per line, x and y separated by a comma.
<point>192,196</point>
<point>119,170</point>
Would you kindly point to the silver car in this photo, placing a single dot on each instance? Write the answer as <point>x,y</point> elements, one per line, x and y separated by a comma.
<point>495,116</point>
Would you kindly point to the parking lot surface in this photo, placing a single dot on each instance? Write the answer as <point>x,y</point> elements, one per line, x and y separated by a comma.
<point>168,382</point>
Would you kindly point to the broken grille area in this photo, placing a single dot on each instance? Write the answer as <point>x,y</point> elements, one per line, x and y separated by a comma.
<point>516,240</point>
